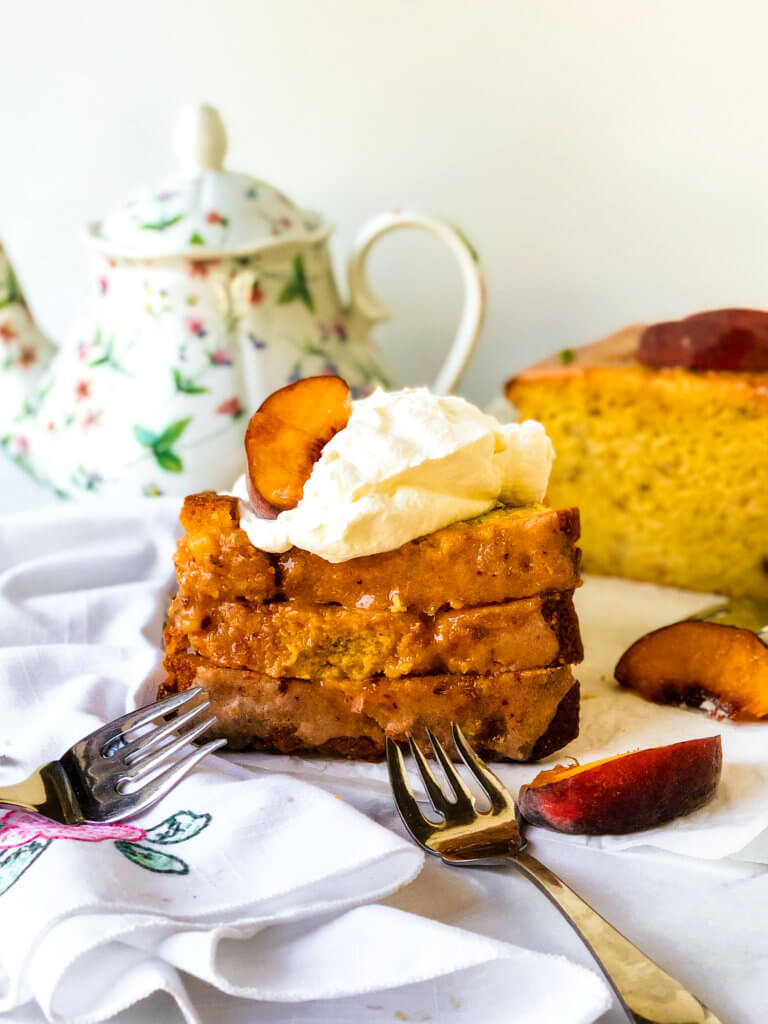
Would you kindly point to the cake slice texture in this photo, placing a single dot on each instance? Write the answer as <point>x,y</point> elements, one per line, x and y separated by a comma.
<point>215,557</point>
<point>668,466</point>
<point>287,638</point>
<point>507,554</point>
<point>519,716</point>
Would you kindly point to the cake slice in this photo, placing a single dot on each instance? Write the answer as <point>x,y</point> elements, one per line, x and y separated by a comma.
<point>386,568</point>
<point>506,554</point>
<point>668,464</point>
<point>516,715</point>
<point>288,638</point>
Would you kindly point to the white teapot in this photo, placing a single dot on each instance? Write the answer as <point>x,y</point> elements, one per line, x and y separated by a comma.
<point>207,295</point>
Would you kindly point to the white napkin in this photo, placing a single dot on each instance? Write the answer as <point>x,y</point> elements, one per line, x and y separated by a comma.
<point>257,884</point>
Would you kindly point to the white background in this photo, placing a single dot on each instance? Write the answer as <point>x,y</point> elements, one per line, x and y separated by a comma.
<point>608,159</point>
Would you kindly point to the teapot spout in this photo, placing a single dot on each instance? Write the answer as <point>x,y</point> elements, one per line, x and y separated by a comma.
<point>25,352</point>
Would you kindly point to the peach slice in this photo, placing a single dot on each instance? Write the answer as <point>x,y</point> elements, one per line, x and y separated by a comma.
<point>626,793</point>
<point>721,339</point>
<point>285,437</point>
<point>693,662</point>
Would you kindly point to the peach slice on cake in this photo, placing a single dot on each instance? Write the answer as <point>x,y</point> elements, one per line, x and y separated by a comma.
<point>692,662</point>
<point>626,793</point>
<point>285,437</point>
<point>720,339</point>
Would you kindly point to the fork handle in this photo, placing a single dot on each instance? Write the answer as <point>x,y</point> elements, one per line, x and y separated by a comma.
<point>648,994</point>
<point>47,792</point>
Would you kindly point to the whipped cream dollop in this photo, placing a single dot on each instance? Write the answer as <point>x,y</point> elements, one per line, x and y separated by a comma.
<point>407,463</point>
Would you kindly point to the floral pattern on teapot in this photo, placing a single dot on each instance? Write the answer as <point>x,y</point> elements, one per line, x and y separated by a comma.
<point>202,328</point>
<point>179,342</point>
<point>24,350</point>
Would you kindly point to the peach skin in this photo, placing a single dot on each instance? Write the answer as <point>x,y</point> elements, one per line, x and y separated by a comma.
<point>626,793</point>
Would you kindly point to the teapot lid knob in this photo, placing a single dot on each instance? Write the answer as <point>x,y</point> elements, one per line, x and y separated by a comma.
<point>200,139</point>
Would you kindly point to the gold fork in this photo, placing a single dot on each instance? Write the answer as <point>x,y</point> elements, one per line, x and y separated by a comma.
<point>466,837</point>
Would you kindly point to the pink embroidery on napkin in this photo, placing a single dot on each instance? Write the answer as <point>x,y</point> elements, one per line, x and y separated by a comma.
<point>25,836</point>
<point>20,827</point>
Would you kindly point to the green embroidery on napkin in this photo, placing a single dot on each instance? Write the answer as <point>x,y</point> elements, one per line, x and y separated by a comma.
<point>152,860</point>
<point>178,828</point>
<point>14,862</point>
<point>16,856</point>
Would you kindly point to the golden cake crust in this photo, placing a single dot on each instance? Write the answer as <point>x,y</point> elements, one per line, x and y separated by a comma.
<point>612,361</point>
<point>666,464</point>
<point>287,638</point>
<point>507,554</point>
<point>215,557</point>
<point>508,715</point>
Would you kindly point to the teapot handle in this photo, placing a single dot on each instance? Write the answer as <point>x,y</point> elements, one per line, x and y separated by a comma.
<point>366,304</point>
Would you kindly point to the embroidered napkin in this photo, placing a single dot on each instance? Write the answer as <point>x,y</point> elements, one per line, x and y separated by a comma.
<point>252,883</point>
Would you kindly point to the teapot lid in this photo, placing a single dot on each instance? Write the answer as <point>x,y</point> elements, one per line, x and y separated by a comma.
<point>206,211</point>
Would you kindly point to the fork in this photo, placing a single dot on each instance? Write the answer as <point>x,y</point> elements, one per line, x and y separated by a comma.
<point>467,837</point>
<point>744,612</point>
<point>88,782</point>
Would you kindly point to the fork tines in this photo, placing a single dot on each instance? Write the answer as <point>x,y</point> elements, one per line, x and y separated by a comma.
<point>460,806</point>
<point>134,751</point>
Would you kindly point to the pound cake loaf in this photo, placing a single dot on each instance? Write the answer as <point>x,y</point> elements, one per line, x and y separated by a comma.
<point>377,625</point>
<point>661,436</point>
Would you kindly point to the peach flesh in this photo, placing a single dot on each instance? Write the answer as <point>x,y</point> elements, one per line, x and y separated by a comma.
<point>286,436</point>
<point>627,793</point>
<point>692,661</point>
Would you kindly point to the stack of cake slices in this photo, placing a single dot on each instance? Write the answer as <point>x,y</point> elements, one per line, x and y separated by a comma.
<point>473,623</point>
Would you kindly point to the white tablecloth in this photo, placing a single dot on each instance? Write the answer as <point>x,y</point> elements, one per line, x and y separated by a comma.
<point>704,921</point>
